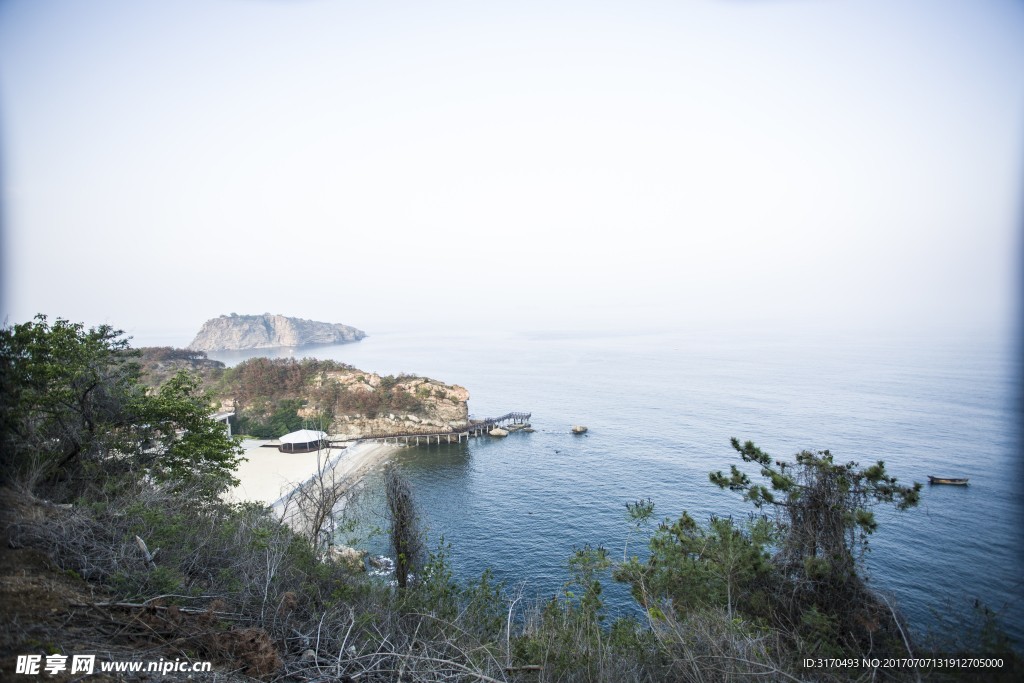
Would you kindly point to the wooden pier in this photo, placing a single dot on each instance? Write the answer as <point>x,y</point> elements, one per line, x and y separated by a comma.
<point>475,428</point>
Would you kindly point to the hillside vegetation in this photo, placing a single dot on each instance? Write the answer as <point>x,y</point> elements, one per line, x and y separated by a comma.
<point>160,364</point>
<point>274,396</point>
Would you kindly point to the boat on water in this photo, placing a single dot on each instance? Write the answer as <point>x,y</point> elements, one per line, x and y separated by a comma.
<point>948,480</point>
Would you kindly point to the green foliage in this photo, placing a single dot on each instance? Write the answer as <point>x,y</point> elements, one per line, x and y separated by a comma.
<point>283,420</point>
<point>164,581</point>
<point>824,505</point>
<point>585,565</point>
<point>436,580</point>
<point>64,390</point>
<point>403,525</point>
<point>627,635</point>
<point>479,603</point>
<point>797,572</point>
<point>639,516</point>
<point>695,566</point>
<point>193,451</point>
<point>72,407</point>
<point>273,377</point>
<point>158,353</point>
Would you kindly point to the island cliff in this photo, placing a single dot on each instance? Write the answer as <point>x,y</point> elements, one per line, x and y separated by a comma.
<point>237,332</point>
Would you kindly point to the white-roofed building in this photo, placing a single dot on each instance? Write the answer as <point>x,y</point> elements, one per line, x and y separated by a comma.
<point>302,441</point>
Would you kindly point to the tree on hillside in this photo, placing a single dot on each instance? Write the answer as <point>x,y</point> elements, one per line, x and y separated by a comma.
<point>403,531</point>
<point>71,406</point>
<point>798,571</point>
<point>65,390</point>
<point>190,449</point>
<point>824,506</point>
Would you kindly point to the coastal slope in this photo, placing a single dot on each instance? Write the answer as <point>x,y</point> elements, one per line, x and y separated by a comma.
<point>273,396</point>
<point>238,332</point>
<point>158,364</point>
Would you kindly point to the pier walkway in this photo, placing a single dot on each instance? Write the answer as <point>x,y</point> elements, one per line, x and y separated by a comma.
<point>475,428</point>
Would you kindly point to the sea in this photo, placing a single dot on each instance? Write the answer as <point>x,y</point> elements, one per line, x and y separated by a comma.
<point>660,408</point>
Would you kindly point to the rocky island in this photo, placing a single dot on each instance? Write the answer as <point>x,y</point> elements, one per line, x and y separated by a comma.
<point>237,332</point>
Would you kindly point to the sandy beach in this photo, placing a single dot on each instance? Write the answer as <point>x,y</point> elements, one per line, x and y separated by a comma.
<point>269,474</point>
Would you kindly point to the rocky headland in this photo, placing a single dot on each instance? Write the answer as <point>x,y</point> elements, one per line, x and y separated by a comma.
<point>239,332</point>
<point>361,403</point>
<point>273,396</point>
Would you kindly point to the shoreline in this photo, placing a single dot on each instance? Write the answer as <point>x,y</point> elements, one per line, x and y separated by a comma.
<point>271,477</point>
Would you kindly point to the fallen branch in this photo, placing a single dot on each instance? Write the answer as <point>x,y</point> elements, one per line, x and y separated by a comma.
<point>448,662</point>
<point>769,669</point>
<point>905,641</point>
<point>132,605</point>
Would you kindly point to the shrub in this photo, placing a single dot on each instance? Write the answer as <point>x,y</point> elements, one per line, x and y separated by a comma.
<point>284,419</point>
<point>273,377</point>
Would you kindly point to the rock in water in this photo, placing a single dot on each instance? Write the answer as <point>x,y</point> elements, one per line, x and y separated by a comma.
<point>528,430</point>
<point>268,331</point>
<point>350,557</point>
<point>497,431</point>
<point>578,429</point>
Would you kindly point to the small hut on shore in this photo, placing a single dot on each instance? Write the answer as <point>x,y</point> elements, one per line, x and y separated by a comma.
<point>303,441</point>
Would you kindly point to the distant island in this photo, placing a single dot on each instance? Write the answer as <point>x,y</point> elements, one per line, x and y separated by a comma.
<point>237,332</point>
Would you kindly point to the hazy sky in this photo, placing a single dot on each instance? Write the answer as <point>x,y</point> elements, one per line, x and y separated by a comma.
<point>561,163</point>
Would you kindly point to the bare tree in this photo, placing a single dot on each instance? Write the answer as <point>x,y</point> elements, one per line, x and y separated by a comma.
<point>314,507</point>
<point>406,539</point>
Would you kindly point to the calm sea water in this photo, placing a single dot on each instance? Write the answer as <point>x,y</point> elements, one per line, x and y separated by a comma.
<point>660,410</point>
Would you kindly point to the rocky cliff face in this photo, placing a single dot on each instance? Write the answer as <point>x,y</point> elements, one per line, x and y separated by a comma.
<point>268,331</point>
<point>414,404</point>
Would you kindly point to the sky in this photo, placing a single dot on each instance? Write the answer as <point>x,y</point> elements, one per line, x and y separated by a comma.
<point>554,164</point>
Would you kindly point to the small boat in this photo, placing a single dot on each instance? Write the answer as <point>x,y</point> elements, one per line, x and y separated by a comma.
<point>947,480</point>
